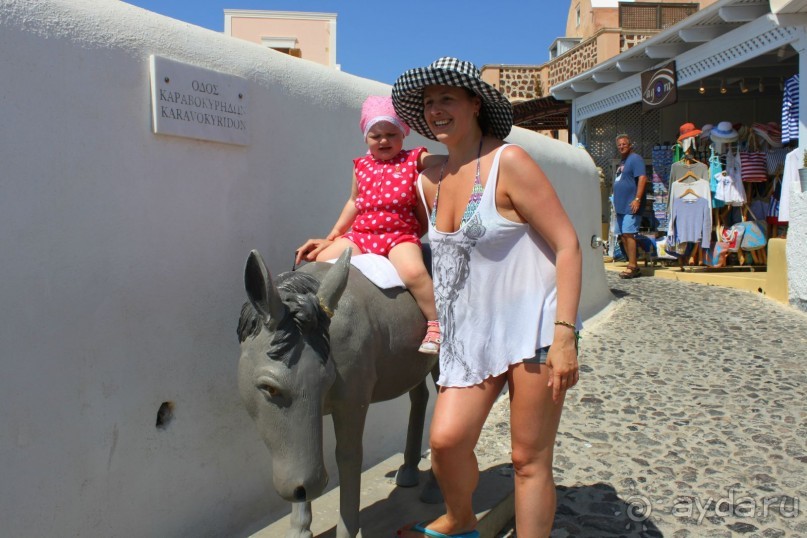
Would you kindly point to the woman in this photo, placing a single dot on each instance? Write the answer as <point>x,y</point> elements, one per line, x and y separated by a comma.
<point>507,273</point>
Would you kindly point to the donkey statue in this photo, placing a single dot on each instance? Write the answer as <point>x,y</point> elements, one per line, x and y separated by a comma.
<point>325,340</point>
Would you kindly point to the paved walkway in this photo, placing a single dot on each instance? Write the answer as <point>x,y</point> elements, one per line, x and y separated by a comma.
<point>690,419</point>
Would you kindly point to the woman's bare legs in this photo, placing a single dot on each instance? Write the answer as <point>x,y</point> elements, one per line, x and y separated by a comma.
<point>459,415</point>
<point>408,261</point>
<point>534,420</point>
<point>335,249</point>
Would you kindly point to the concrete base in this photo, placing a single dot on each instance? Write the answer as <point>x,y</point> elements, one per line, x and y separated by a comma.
<point>754,281</point>
<point>770,281</point>
<point>386,507</point>
<point>776,285</point>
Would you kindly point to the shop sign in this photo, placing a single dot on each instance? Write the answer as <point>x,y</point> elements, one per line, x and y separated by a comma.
<point>659,87</point>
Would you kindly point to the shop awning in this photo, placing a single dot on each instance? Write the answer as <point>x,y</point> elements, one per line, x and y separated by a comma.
<point>710,43</point>
<point>542,114</point>
<point>705,26</point>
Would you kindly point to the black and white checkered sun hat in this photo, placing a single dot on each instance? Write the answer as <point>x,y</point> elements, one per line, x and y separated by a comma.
<point>407,95</point>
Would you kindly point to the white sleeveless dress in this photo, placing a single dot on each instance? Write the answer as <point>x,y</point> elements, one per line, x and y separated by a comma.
<point>494,282</point>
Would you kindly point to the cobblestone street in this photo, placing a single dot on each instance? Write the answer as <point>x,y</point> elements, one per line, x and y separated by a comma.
<point>690,419</point>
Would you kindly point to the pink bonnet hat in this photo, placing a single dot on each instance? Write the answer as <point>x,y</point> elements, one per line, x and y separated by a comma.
<point>377,108</point>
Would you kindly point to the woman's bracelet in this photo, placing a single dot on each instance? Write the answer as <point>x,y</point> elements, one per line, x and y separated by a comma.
<point>573,328</point>
<point>566,324</point>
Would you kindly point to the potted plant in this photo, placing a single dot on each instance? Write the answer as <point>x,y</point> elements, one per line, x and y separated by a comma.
<point>803,171</point>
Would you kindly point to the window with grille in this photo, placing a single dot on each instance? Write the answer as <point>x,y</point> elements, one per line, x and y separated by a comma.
<point>672,14</point>
<point>652,15</point>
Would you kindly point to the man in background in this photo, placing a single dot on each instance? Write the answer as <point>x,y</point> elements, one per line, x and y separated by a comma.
<point>630,182</point>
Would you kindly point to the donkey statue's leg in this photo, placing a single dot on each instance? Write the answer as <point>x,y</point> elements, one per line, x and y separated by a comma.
<point>431,493</point>
<point>348,422</point>
<point>408,474</point>
<point>300,521</point>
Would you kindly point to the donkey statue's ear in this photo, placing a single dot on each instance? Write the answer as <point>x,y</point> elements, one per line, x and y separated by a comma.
<point>261,290</point>
<point>334,282</point>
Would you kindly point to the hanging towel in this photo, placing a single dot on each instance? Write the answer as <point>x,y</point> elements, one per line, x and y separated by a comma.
<point>790,110</point>
<point>378,270</point>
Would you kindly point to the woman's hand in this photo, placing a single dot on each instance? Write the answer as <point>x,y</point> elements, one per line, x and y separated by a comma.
<point>309,250</point>
<point>562,362</point>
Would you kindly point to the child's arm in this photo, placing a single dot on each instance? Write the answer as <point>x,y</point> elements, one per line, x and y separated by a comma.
<point>309,250</point>
<point>348,215</point>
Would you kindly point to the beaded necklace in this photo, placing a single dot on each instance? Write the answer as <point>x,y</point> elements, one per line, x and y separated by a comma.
<point>476,192</point>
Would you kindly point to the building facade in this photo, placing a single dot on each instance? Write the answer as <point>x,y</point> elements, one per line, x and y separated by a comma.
<point>311,36</point>
<point>596,31</point>
<point>736,62</point>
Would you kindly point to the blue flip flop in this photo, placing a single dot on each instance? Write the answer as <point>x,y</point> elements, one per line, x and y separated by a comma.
<point>420,527</point>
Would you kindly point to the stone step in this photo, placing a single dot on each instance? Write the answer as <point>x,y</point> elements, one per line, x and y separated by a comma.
<point>386,507</point>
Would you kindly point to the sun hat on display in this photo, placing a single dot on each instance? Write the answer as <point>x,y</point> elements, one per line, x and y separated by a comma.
<point>724,132</point>
<point>706,130</point>
<point>769,132</point>
<point>377,108</point>
<point>407,95</point>
<point>687,130</point>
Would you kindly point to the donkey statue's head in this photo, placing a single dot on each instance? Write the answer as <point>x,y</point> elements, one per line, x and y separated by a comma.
<point>286,368</point>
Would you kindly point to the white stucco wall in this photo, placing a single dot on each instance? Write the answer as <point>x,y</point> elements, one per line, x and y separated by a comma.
<point>797,248</point>
<point>122,259</point>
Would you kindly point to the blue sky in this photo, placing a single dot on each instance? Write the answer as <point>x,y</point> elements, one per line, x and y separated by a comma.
<point>381,39</point>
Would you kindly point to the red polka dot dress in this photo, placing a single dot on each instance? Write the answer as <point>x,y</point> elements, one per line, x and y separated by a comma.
<point>386,202</point>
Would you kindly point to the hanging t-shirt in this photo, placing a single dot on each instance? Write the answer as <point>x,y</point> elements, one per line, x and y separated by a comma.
<point>692,220</point>
<point>689,222</point>
<point>626,181</point>
<point>715,169</point>
<point>790,110</point>
<point>790,179</point>
<point>681,169</point>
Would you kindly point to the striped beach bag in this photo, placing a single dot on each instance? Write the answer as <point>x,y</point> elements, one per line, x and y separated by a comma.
<point>753,162</point>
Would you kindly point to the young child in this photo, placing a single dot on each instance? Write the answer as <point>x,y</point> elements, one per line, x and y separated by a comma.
<point>382,215</point>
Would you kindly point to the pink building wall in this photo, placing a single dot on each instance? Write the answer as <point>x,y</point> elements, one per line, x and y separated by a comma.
<point>314,34</point>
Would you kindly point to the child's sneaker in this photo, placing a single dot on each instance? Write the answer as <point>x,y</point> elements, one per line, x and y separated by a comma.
<point>431,342</point>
